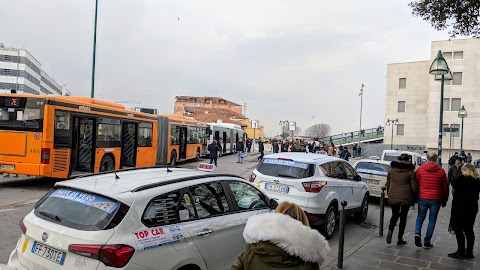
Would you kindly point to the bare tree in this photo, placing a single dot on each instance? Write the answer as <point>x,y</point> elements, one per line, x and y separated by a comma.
<point>318,130</point>
<point>298,130</point>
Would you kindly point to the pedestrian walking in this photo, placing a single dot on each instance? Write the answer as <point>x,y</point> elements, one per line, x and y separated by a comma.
<point>455,171</point>
<point>240,149</point>
<point>330,150</point>
<point>284,146</point>
<point>451,160</point>
<point>354,151</point>
<point>261,148</point>
<point>464,211</point>
<point>275,146</point>
<point>469,158</point>
<point>214,148</point>
<point>359,150</point>
<point>282,240</point>
<point>249,145</point>
<point>433,193</point>
<point>402,191</point>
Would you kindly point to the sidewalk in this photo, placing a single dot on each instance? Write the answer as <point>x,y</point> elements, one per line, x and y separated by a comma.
<point>375,253</point>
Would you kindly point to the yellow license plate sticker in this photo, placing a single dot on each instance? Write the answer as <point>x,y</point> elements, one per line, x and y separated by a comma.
<point>25,244</point>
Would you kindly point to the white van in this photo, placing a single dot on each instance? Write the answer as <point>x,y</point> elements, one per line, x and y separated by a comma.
<point>391,155</point>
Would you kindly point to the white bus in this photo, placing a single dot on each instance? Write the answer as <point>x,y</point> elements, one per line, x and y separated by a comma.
<point>227,135</point>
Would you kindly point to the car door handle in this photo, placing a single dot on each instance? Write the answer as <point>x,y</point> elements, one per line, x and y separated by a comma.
<point>204,232</point>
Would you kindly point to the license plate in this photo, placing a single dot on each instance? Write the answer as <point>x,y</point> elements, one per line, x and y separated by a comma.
<point>49,253</point>
<point>7,167</point>
<point>374,182</point>
<point>277,188</point>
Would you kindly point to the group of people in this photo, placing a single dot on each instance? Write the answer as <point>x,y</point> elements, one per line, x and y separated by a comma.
<point>464,158</point>
<point>242,148</point>
<point>429,186</point>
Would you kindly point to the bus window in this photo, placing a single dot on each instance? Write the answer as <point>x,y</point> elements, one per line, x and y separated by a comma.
<point>109,132</point>
<point>145,132</point>
<point>175,135</point>
<point>22,114</point>
<point>62,137</point>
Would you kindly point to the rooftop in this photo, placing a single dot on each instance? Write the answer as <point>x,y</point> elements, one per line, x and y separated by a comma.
<point>214,100</point>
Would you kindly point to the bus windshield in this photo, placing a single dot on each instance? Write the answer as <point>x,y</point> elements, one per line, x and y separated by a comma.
<point>23,114</point>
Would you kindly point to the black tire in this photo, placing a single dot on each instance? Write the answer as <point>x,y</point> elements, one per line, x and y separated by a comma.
<point>107,164</point>
<point>197,155</point>
<point>361,215</point>
<point>173,158</point>
<point>328,227</point>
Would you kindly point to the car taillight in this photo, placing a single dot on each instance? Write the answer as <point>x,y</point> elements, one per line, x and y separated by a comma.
<point>22,226</point>
<point>111,255</point>
<point>252,177</point>
<point>45,156</point>
<point>314,186</point>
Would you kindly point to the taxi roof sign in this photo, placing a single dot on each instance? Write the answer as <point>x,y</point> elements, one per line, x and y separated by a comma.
<point>207,167</point>
<point>322,152</point>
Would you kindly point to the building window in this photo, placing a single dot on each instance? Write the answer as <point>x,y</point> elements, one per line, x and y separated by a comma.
<point>7,58</point>
<point>401,106</point>
<point>447,55</point>
<point>456,104</point>
<point>452,130</point>
<point>6,71</point>
<point>446,104</point>
<point>400,129</point>
<point>457,78</point>
<point>458,55</point>
<point>402,83</point>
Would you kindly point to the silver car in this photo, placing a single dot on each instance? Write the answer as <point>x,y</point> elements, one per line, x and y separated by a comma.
<point>374,173</point>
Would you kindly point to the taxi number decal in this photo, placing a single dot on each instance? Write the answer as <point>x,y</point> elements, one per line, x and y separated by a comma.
<point>158,236</point>
<point>35,151</point>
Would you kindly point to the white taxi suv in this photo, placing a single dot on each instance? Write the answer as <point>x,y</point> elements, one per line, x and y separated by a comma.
<point>155,218</point>
<point>317,183</point>
<point>374,173</point>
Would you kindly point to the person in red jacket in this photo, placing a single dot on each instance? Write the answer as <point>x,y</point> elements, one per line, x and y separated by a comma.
<point>433,193</point>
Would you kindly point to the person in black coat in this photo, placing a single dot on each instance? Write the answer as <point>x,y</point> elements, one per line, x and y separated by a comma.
<point>464,211</point>
<point>240,149</point>
<point>261,148</point>
<point>214,148</point>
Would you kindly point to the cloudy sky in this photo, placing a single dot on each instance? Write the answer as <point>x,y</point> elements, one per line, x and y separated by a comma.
<point>302,61</point>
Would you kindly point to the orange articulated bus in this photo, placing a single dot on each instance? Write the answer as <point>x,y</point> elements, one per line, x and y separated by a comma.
<point>180,138</point>
<point>57,136</point>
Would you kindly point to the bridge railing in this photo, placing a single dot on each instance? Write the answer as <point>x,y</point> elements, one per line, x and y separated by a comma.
<point>350,137</point>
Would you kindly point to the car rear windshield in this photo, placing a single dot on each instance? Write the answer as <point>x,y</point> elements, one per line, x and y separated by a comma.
<point>394,157</point>
<point>286,168</point>
<point>372,168</point>
<point>80,210</point>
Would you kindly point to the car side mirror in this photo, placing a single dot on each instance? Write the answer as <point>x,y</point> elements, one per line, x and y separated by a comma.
<point>273,204</point>
<point>358,178</point>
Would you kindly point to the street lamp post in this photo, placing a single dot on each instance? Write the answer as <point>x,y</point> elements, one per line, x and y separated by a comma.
<point>462,113</point>
<point>361,105</point>
<point>283,123</point>
<point>439,67</point>
<point>393,123</point>
<point>92,93</point>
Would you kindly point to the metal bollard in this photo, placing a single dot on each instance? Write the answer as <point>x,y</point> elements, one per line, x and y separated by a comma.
<point>382,211</point>
<point>342,235</point>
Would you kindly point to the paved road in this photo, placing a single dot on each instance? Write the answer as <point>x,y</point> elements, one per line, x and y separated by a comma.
<point>17,197</point>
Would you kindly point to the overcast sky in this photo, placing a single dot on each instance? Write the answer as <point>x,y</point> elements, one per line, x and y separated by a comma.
<point>302,61</point>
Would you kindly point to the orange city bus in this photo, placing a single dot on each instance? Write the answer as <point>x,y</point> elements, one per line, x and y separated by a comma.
<point>180,138</point>
<point>57,136</point>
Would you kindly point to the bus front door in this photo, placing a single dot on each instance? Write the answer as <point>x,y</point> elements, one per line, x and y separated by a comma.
<point>224,146</point>
<point>83,144</point>
<point>183,143</point>
<point>129,144</point>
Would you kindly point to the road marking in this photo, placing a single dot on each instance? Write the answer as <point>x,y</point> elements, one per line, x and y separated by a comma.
<point>20,202</point>
<point>4,210</point>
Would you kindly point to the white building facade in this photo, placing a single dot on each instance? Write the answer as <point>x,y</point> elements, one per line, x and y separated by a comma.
<point>413,97</point>
<point>20,71</point>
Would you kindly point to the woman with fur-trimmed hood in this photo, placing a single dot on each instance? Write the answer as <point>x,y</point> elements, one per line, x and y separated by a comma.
<point>402,190</point>
<point>282,240</point>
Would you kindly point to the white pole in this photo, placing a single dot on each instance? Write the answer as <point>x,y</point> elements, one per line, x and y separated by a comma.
<point>361,105</point>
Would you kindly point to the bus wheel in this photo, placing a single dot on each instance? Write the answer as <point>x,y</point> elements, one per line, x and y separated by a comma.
<point>107,164</point>
<point>173,158</point>
<point>197,156</point>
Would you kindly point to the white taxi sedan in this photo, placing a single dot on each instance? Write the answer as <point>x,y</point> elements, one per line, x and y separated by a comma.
<point>374,173</point>
<point>156,218</point>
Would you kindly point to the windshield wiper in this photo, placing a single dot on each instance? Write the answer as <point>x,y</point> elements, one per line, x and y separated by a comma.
<point>50,215</point>
<point>286,175</point>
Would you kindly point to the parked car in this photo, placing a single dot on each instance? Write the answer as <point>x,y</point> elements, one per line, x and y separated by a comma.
<point>476,163</point>
<point>317,183</point>
<point>374,173</point>
<point>415,158</point>
<point>155,218</point>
